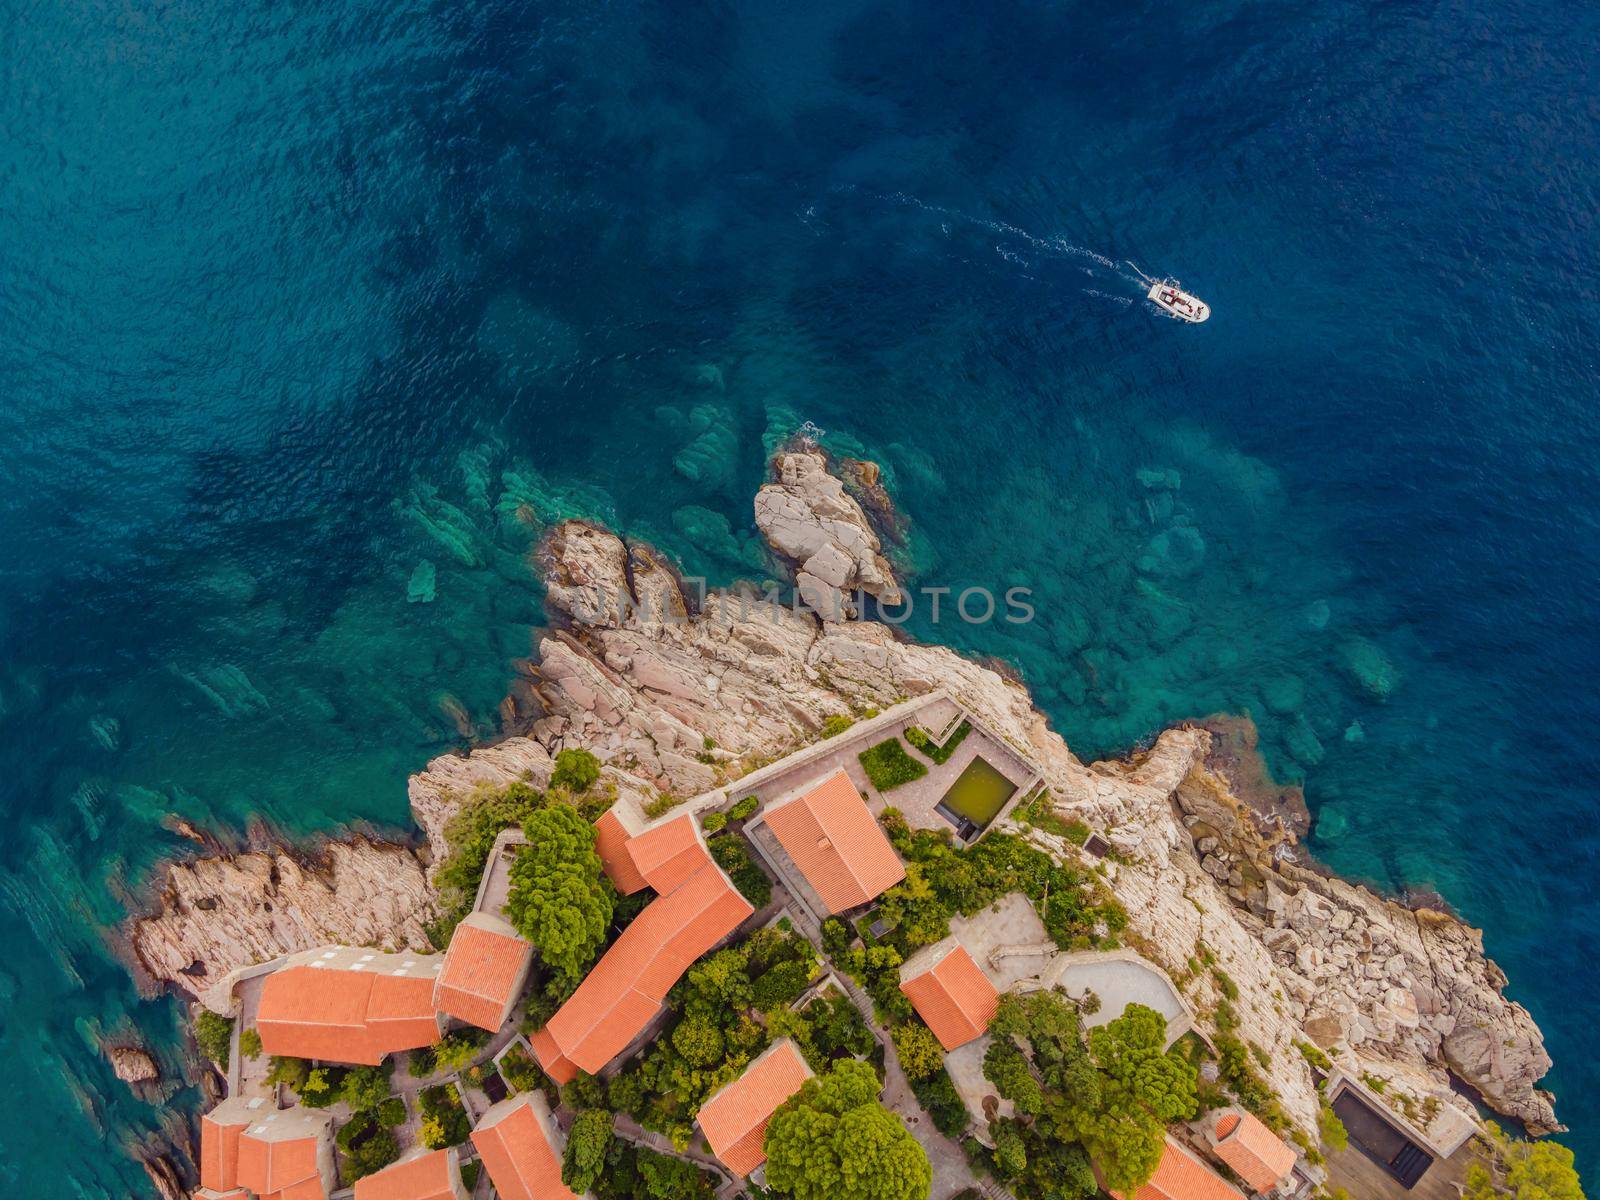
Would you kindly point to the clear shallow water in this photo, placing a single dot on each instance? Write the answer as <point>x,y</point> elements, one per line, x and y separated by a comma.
<point>295,298</point>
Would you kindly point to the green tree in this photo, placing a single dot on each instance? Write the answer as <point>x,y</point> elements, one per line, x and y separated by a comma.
<point>833,1140</point>
<point>587,1144</point>
<point>291,1072</point>
<point>470,834</point>
<point>919,1051</point>
<point>250,1043</point>
<point>213,1033</point>
<point>1010,1150</point>
<point>366,1087</point>
<point>698,1040</point>
<point>1007,1068</point>
<point>1521,1170</point>
<point>560,899</point>
<point>1119,1100</point>
<point>576,771</point>
<point>323,1086</point>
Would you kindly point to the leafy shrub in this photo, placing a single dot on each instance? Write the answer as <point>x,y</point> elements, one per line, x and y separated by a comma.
<point>392,1112</point>
<point>365,1087</point>
<point>291,1072</point>
<point>470,834</point>
<point>422,1063</point>
<point>469,1174</point>
<point>661,805</point>
<point>837,1027</point>
<point>1331,1129</point>
<point>781,985</point>
<point>745,809</point>
<point>889,766</point>
<point>587,1144</point>
<point>731,855</point>
<point>1314,1055</point>
<point>213,1034</point>
<point>837,724</point>
<point>367,1145</point>
<point>457,1048</point>
<point>937,1094</point>
<point>714,822</point>
<point>444,1121</point>
<point>920,1053</point>
<point>519,1070</point>
<point>250,1043</point>
<point>576,771</point>
<point>323,1086</point>
<point>939,754</point>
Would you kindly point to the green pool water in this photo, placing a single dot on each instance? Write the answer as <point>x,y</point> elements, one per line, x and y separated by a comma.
<point>979,793</point>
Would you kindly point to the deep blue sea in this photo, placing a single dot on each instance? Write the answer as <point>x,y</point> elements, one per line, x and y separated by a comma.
<point>300,301</point>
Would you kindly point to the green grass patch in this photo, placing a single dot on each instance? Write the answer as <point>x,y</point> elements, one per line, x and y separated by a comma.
<point>939,754</point>
<point>889,766</point>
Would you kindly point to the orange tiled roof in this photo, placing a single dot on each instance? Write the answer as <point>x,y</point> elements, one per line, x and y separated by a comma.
<point>430,1177</point>
<point>518,1154</point>
<point>735,1118</point>
<point>1181,1176</point>
<point>611,840</point>
<point>628,985</point>
<point>668,854</point>
<point>340,1015</point>
<point>269,1168</point>
<point>219,1151</point>
<point>483,971</point>
<point>837,845</point>
<point>308,1189</point>
<point>954,997</point>
<point>1256,1154</point>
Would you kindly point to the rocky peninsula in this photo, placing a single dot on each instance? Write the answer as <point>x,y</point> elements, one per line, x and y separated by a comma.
<point>683,695</point>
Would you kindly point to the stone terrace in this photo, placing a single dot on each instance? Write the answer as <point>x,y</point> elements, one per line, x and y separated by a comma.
<point>937,714</point>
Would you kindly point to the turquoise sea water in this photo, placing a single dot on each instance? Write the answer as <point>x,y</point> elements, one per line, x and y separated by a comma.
<point>296,299</point>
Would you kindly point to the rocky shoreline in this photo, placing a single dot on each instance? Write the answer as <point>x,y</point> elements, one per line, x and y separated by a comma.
<point>680,697</point>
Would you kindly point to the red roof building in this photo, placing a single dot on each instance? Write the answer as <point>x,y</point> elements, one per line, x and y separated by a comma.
<point>666,855</point>
<point>950,993</point>
<point>735,1117</point>
<point>220,1130</point>
<point>1181,1176</point>
<point>429,1175</point>
<point>483,972</point>
<point>521,1149</point>
<point>346,1005</point>
<point>629,985</point>
<point>287,1155</point>
<point>1257,1155</point>
<point>611,841</point>
<point>831,836</point>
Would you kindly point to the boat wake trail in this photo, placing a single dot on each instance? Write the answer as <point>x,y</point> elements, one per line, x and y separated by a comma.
<point>1017,245</point>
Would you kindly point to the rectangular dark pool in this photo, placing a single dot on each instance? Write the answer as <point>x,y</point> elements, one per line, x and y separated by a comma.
<point>977,795</point>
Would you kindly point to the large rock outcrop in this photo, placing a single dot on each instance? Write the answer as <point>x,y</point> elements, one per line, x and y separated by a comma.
<point>220,914</point>
<point>807,516</point>
<point>1408,995</point>
<point>679,697</point>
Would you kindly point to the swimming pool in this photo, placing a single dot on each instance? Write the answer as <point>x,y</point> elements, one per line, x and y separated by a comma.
<point>976,797</point>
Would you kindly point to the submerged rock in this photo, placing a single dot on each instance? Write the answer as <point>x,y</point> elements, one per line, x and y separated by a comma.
<point>1369,667</point>
<point>420,587</point>
<point>708,459</point>
<point>1177,552</point>
<point>106,731</point>
<point>1318,613</point>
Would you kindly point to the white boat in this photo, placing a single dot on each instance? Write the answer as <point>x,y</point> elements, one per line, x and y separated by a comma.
<point>1166,295</point>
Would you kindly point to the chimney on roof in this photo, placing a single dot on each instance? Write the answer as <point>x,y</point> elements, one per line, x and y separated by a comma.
<point>824,843</point>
